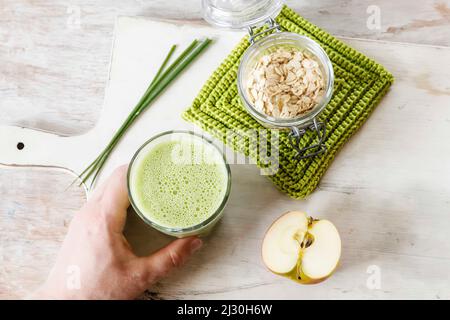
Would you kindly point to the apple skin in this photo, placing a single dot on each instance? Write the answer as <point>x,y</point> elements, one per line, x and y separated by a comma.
<point>304,279</point>
<point>297,274</point>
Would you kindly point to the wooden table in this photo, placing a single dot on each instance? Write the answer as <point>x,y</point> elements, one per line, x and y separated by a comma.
<point>54,59</point>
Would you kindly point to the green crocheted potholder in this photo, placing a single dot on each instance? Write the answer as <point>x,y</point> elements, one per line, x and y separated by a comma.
<point>359,85</point>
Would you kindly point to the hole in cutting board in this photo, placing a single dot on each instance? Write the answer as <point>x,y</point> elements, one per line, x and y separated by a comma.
<point>20,145</point>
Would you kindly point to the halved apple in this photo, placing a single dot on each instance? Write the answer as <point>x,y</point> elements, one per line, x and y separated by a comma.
<point>301,248</point>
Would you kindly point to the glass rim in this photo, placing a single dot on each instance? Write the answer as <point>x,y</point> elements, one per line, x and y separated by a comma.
<point>302,120</point>
<point>236,18</point>
<point>200,225</point>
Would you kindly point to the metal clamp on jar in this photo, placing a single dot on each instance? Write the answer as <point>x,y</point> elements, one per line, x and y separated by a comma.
<point>249,15</point>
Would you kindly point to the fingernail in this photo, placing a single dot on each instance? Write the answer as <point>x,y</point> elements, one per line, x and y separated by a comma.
<point>196,244</point>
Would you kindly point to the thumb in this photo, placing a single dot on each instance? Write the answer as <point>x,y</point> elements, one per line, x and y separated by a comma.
<point>174,255</point>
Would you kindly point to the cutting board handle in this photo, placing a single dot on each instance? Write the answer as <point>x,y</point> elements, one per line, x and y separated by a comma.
<point>23,146</point>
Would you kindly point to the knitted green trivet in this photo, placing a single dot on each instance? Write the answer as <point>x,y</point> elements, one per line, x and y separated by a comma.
<point>359,85</point>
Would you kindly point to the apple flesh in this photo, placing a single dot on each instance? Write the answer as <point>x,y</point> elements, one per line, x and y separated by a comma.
<point>301,248</point>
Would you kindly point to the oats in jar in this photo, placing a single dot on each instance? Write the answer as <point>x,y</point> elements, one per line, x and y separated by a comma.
<point>285,83</point>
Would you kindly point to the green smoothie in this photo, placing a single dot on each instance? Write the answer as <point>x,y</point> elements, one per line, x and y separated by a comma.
<point>179,183</point>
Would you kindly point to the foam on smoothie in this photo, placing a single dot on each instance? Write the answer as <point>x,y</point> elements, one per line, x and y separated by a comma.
<point>179,183</point>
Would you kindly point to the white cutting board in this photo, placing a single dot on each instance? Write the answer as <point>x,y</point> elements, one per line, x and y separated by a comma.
<point>139,48</point>
<point>387,191</point>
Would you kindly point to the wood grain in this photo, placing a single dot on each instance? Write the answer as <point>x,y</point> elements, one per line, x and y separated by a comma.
<point>36,207</point>
<point>391,208</point>
<point>55,53</point>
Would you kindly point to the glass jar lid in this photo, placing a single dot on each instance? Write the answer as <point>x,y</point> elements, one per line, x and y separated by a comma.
<point>239,14</point>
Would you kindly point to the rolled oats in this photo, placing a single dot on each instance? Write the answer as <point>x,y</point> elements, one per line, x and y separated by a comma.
<point>285,83</point>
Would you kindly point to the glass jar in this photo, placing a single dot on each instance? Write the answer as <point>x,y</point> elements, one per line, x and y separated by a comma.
<point>250,14</point>
<point>206,146</point>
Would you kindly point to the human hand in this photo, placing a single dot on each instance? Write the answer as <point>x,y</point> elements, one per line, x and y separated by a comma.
<point>97,262</point>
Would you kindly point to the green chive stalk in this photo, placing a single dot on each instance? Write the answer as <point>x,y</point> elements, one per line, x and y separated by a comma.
<point>162,80</point>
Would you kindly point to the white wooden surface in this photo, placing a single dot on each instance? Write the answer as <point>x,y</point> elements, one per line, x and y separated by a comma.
<point>55,53</point>
<point>391,208</point>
